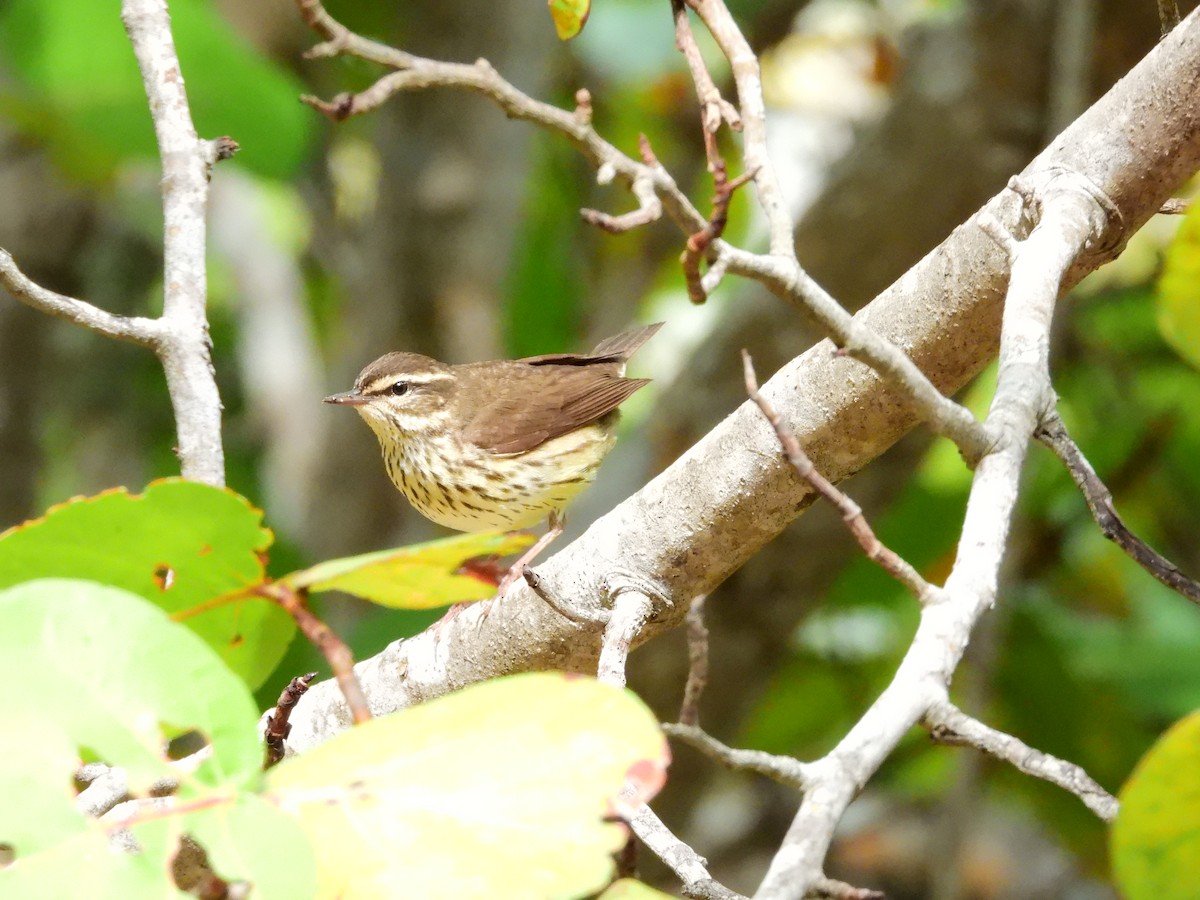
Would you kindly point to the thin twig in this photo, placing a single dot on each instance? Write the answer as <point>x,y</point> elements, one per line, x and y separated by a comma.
<point>332,647</point>
<point>838,890</point>
<point>135,330</point>
<point>852,514</point>
<point>649,210</point>
<point>783,769</point>
<point>698,243</point>
<point>1053,433</point>
<point>278,727</point>
<point>686,863</point>
<point>748,78</point>
<point>713,107</point>
<point>950,725</point>
<point>697,678</point>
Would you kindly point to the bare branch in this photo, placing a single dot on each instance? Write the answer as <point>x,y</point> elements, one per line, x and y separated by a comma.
<point>649,210</point>
<point>887,559</point>
<point>783,769</point>
<point>144,332</point>
<point>1053,433</point>
<point>713,107</point>
<point>698,244</point>
<point>1176,206</point>
<point>950,725</point>
<point>697,679</point>
<point>332,647</point>
<point>277,726</point>
<point>689,866</point>
<point>183,347</point>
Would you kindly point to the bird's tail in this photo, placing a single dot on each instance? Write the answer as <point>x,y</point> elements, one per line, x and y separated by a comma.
<point>624,345</point>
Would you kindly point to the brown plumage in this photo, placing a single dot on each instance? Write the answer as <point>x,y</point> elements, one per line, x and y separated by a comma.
<point>496,444</point>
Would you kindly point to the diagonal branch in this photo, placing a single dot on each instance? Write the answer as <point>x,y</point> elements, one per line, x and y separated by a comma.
<point>852,514</point>
<point>950,725</point>
<point>1053,433</point>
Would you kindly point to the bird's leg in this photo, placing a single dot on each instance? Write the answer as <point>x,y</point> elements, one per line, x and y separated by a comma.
<point>554,527</point>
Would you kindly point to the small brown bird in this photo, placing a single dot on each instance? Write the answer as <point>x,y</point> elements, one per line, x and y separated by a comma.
<point>496,444</point>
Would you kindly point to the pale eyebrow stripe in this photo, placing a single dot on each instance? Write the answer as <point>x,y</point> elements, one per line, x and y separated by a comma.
<point>422,378</point>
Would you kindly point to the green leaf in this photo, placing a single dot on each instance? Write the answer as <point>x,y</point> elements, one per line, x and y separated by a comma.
<point>500,790</point>
<point>1156,838</point>
<point>422,576</point>
<point>179,545</point>
<point>77,86</point>
<point>110,673</point>
<point>251,840</point>
<point>569,16</point>
<point>84,865</point>
<point>1179,290</point>
<point>114,676</point>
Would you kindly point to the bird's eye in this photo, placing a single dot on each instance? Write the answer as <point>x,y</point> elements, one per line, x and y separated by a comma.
<point>400,388</point>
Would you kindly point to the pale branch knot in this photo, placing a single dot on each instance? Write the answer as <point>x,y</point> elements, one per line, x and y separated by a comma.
<point>340,108</point>
<point>583,106</point>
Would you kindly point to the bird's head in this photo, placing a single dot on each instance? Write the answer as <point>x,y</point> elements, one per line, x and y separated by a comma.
<point>402,392</point>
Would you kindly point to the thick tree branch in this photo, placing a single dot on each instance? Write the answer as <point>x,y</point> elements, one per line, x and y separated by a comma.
<point>183,345</point>
<point>732,492</point>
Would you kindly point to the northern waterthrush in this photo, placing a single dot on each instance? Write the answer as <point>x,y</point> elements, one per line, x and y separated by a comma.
<point>496,444</point>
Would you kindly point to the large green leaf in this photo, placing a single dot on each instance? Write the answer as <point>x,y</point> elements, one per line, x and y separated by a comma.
<point>179,545</point>
<point>1179,290</point>
<point>501,790</point>
<point>86,668</point>
<point>78,87</point>
<point>114,675</point>
<point>1156,838</point>
<point>422,576</point>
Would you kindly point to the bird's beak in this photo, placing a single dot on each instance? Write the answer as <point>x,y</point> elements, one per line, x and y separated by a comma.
<point>349,398</point>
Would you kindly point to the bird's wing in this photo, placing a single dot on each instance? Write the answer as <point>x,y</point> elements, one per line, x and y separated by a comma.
<point>531,405</point>
<point>616,349</point>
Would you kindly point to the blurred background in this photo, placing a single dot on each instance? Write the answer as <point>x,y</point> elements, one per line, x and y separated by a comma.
<point>437,225</point>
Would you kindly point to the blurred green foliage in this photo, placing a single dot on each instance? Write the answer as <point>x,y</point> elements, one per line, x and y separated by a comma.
<point>78,88</point>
